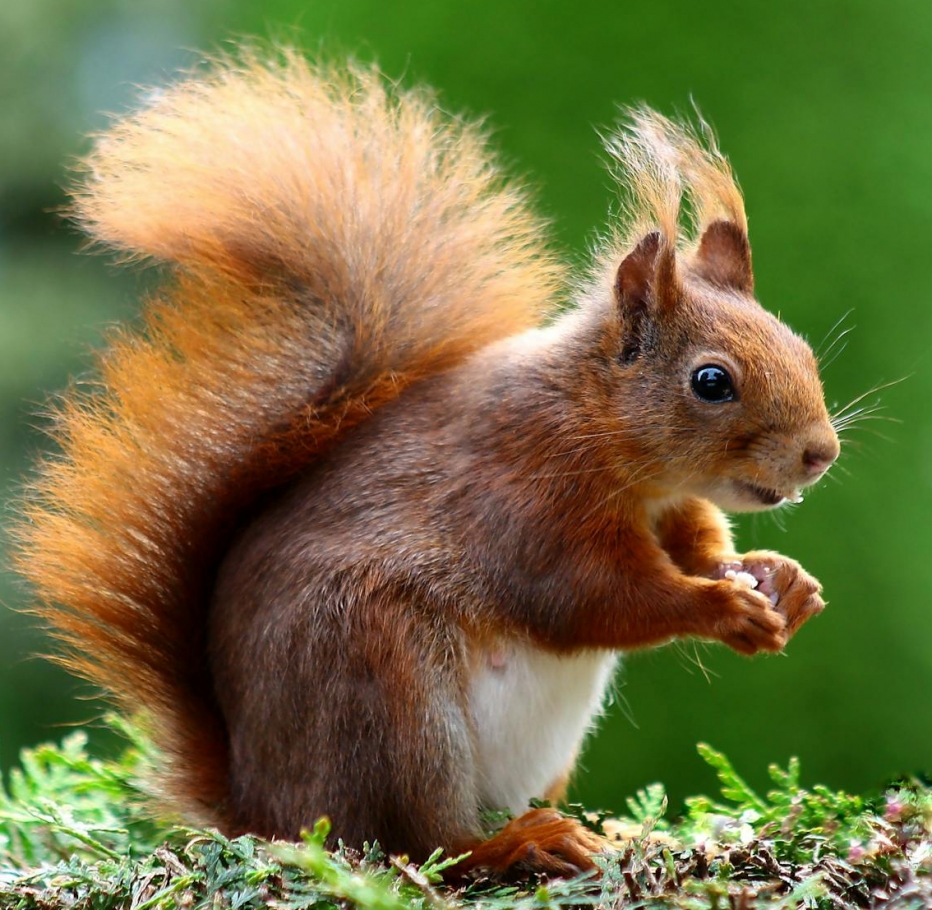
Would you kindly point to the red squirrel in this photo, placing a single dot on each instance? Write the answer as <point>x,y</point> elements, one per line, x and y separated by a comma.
<point>357,520</point>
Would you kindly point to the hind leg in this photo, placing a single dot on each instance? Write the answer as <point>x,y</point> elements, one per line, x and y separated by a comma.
<point>355,716</point>
<point>542,841</point>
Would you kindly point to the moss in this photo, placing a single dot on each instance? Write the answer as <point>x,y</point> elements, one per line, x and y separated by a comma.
<point>74,832</point>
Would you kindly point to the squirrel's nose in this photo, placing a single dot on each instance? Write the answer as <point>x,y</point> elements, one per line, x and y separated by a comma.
<point>819,456</point>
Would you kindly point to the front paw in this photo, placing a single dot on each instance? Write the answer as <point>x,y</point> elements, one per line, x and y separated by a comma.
<point>791,590</point>
<point>746,620</point>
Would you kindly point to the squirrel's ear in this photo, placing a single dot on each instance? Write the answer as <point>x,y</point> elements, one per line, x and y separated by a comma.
<point>724,257</point>
<point>645,285</point>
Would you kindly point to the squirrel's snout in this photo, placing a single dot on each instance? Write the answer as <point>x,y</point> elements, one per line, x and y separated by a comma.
<point>819,455</point>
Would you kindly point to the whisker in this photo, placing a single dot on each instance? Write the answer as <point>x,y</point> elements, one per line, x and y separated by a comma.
<point>576,473</point>
<point>870,408</point>
<point>819,352</point>
<point>570,453</point>
<point>844,425</point>
<point>872,432</point>
<point>683,648</point>
<point>618,432</point>
<point>858,412</point>
<point>857,422</point>
<point>625,432</point>
<point>617,697</point>
<point>778,519</point>
<point>639,477</point>
<point>838,352</point>
<point>872,391</point>
<point>860,428</point>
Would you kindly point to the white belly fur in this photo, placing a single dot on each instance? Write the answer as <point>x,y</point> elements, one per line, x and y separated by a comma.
<point>531,710</point>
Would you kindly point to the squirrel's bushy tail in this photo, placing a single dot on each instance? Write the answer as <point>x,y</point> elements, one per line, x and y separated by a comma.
<point>329,241</point>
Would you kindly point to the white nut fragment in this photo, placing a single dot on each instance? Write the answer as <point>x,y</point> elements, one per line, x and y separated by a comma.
<point>745,579</point>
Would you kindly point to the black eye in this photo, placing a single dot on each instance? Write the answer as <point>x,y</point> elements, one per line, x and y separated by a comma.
<point>712,384</point>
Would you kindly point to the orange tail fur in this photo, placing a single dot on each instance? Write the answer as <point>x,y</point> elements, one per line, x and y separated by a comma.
<point>329,241</point>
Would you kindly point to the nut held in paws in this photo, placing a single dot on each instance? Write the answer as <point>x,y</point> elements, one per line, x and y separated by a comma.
<point>745,579</point>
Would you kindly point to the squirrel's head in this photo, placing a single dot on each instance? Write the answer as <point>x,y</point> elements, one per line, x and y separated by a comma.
<point>727,393</point>
<point>729,400</point>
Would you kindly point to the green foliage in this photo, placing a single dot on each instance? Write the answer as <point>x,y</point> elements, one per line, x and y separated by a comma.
<point>74,833</point>
<point>796,822</point>
<point>61,802</point>
<point>648,805</point>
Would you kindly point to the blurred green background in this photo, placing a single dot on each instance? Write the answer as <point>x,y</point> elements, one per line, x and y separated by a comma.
<point>826,112</point>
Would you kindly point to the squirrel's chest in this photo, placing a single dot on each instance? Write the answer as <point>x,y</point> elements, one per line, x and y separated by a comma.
<point>530,711</point>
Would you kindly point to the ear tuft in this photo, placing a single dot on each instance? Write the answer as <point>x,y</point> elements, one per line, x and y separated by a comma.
<point>644,285</point>
<point>647,275</point>
<point>635,276</point>
<point>724,257</point>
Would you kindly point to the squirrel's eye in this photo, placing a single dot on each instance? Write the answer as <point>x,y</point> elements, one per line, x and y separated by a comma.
<point>713,384</point>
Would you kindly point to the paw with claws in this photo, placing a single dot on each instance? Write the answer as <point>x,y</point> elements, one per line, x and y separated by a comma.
<point>542,841</point>
<point>771,597</point>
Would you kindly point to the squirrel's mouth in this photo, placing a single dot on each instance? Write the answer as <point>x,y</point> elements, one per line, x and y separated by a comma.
<point>765,495</point>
